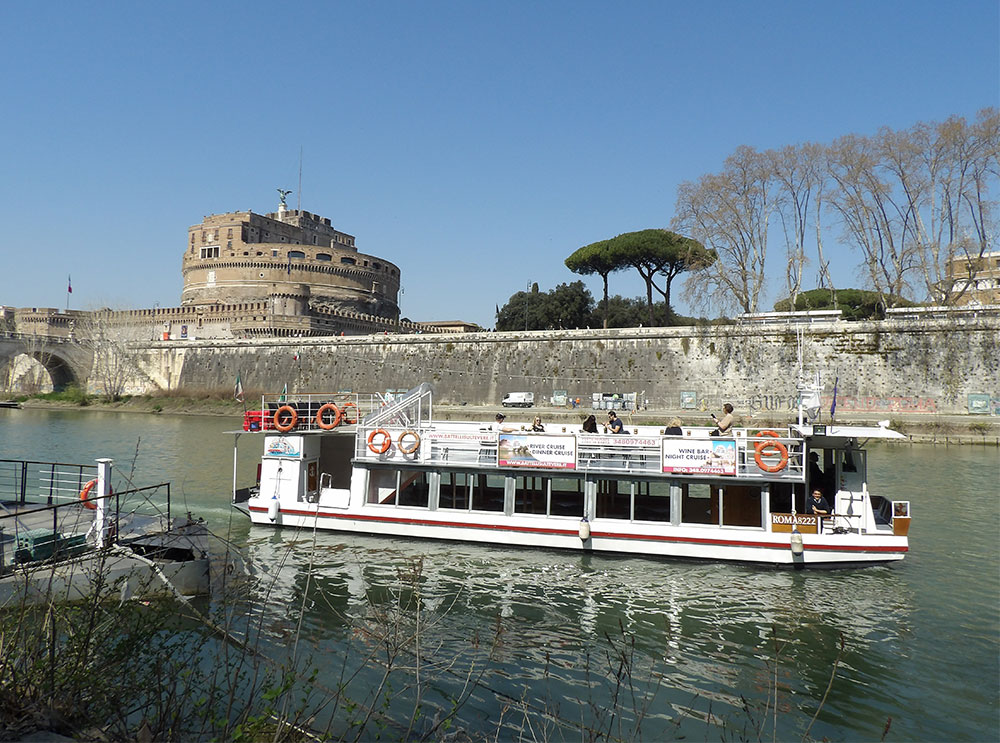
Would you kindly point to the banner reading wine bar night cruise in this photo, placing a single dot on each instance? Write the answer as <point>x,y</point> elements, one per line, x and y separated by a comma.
<point>526,450</point>
<point>688,457</point>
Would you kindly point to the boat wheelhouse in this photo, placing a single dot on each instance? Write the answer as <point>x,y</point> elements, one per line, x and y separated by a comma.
<point>385,466</point>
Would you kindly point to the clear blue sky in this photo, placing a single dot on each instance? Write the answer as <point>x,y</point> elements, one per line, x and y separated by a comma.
<point>474,144</point>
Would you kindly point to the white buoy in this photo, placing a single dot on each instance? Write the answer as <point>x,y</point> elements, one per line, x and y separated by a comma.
<point>272,509</point>
<point>797,546</point>
<point>584,529</point>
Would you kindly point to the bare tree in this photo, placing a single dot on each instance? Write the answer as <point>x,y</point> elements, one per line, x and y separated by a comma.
<point>799,178</point>
<point>729,213</point>
<point>112,337</point>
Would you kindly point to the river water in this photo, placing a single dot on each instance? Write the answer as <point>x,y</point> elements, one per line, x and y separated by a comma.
<point>547,635</point>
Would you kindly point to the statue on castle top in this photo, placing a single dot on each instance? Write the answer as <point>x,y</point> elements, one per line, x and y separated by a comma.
<point>282,193</point>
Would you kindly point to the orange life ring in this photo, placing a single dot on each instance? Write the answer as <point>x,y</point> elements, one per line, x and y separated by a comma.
<point>336,416</point>
<point>285,427</point>
<point>758,445</point>
<point>87,503</point>
<point>408,449</point>
<point>344,411</point>
<point>386,441</point>
<point>766,448</point>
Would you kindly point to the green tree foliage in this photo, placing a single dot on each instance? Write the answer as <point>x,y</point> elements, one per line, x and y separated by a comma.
<point>566,306</point>
<point>595,258</point>
<point>856,304</point>
<point>658,252</point>
<point>626,312</point>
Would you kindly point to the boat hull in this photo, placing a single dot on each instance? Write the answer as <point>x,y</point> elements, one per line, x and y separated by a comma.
<point>606,536</point>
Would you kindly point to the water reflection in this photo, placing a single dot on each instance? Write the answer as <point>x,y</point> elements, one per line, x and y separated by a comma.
<point>710,632</point>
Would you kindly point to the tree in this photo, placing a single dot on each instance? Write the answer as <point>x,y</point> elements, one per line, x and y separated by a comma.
<point>730,213</point>
<point>595,259</point>
<point>855,304</point>
<point>566,306</point>
<point>797,172</point>
<point>658,252</point>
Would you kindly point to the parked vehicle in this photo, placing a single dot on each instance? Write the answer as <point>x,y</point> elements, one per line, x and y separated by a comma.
<point>518,400</point>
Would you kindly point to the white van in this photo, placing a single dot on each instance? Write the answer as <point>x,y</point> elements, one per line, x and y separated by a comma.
<point>518,400</point>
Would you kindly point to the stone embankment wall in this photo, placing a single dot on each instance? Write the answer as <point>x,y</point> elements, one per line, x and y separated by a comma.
<point>911,365</point>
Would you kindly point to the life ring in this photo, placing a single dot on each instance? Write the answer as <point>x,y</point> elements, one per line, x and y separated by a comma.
<point>344,413</point>
<point>336,416</point>
<point>767,448</point>
<point>87,503</point>
<point>285,427</point>
<point>758,445</point>
<point>386,441</point>
<point>408,449</point>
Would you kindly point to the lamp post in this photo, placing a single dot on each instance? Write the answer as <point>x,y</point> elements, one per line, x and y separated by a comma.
<point>527,293</point>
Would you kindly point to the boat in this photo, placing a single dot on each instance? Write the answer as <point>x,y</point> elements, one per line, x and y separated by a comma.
<point>382,465</point>
<point>65,535</point>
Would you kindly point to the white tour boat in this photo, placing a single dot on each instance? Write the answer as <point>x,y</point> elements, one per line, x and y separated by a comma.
<point>384,466</point>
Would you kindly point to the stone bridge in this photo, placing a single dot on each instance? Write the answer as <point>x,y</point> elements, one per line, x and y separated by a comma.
<point>68,361</point>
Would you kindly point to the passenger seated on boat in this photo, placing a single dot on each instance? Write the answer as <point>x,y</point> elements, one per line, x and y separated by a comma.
<point>615,424</point>
<point>818,504</point>
<point>673,428</point>
<point>590,424</point>
<point>500,426</point>
<point>725,424</point>
<point>537,424</point>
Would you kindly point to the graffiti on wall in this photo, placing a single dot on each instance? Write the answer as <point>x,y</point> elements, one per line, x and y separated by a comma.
<point>772,403</point>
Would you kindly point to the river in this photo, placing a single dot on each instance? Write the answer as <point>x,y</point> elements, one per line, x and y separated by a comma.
<point>550,632</point>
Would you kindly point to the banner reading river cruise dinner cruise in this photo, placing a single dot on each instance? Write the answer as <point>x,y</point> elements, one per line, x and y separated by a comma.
<point>688,457</point>
<point>526,450</point>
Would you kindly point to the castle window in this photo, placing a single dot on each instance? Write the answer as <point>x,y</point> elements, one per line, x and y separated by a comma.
<point>296,254</point>
<point>211,252</point>
<point>230,234</point>
<point>229,244</point>
<point>274,253</point>
<point>376,265</point>
<point>324,257</point>
<point>348,261</point>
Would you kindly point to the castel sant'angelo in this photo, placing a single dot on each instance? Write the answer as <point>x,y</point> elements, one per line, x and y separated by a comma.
<point>247,275</point>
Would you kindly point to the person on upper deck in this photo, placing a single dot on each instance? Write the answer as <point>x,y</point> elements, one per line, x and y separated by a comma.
<point>816,476</point>
<point>615,424</point>
<point>818,504</point>
<point>590,424</point>
<point>500,426</point>
<point>725,424</point>
<point>536,425</point>
<point>673,428</point>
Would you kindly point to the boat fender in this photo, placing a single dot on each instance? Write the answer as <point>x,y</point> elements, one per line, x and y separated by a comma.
<point>87,503</point>
<point>272,509</point>
<point>797,547</point>
<point>328,408</point>
<point>584,529</point>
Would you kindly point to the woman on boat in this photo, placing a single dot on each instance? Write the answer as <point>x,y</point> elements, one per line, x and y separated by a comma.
<point>725,424</point>
<point>590,424</point>
<point>674,428</point>
<point>537,424</point>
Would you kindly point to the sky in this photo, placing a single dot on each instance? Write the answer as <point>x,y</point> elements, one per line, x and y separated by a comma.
<point>474,144</point>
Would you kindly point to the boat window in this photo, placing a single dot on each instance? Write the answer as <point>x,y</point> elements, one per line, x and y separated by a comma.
<point>530,494</point>
<point>488,493</point>
<point>652,501</point>
<point>413,488</point>
<point>697,504</point>
<point>567,497</point>
<point>786,494</point>
<point>614,499</point>
<point>741,505</point>
<point>382,487</point>
<point>455,487</point>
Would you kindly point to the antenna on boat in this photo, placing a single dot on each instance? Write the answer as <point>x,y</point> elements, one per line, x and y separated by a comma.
<point>809,393</point>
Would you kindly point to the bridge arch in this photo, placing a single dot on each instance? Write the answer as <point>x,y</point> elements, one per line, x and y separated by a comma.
<point>66,363</point>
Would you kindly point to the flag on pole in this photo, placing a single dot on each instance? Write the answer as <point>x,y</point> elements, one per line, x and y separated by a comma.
<point>284,393</point>
<point>69,285</point>
<point>238,394</point>
<point>833,405</point>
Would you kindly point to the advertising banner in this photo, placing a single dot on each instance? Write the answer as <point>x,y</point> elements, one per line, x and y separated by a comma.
<point>687,457</point>
<point>536,450</point>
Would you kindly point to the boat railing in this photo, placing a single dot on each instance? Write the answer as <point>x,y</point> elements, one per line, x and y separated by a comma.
<point>42,516</point>
<point>348,408</point>
<point>748,454</point>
